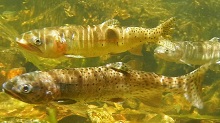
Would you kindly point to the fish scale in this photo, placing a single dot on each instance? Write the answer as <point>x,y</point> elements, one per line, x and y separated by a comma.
<point>102,83</point>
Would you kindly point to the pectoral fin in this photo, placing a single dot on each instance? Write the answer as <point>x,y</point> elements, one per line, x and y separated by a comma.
<point>74,56</point>
<point>151,98</point>
<point>137,50</point>
<point>65,101</point>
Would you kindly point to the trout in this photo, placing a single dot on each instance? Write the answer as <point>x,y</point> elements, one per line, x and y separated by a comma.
<point>189,52</point>
<point>90,41</point>
<point>112,81</point>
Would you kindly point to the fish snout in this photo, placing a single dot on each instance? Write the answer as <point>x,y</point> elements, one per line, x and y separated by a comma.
<point>24,44</point>
<point>7,87</point>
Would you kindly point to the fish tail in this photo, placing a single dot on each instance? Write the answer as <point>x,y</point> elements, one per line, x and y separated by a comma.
<point>167,27</point>
<point>192,85</point>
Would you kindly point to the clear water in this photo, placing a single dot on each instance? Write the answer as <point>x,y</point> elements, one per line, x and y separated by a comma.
<point>196,20</point>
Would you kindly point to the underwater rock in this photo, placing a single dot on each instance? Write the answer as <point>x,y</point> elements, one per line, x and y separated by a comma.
<point>100,115</point>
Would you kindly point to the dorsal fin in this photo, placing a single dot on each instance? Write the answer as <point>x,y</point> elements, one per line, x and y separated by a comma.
<point>215,39</point>
<point>119,66</point>
<point>111,22</point>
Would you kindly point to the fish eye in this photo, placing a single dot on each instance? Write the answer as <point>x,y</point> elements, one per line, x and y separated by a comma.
<point>26,88</point>
<point>37,41</point>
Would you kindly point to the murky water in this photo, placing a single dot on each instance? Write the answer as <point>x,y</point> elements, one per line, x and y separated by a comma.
<point>196,20</point>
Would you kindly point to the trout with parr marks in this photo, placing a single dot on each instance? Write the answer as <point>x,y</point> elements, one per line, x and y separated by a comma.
<point>90,41</point>
<point>189,52</point>
<point>102,83</point>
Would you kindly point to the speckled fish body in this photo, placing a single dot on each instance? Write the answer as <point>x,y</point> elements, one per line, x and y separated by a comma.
<point>101,84</point>
<point>90,41</point>
<point>189,52</point>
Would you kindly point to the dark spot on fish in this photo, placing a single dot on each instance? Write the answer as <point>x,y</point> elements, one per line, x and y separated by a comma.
<point>111,34</point>
<point>118,43</point>
<point>99,69</point>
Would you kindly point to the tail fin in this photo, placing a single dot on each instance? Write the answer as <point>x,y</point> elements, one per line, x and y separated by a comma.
<point>167,27</point>
<point>191,84</point>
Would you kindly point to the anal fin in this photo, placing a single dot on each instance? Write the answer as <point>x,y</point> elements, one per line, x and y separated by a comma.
<point>151,97</point>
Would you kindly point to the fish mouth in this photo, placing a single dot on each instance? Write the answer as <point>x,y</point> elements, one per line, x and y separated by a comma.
<point>7,88</point>
<point>28,46</point>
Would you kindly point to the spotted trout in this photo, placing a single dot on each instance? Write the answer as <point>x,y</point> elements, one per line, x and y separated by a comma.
<point>90,41</point>
<point>102,83</point>
<point>189,52</point>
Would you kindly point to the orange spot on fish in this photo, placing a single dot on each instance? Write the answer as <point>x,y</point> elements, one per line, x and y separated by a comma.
<point>61,47</point>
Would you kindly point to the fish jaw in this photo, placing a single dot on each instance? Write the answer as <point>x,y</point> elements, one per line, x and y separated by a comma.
<point>24,44</point>
<point>8,89</point>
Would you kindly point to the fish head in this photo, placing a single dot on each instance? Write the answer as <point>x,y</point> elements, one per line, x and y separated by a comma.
<point>168,54</point>
<point>27,88</point>
<point>45,42</point>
